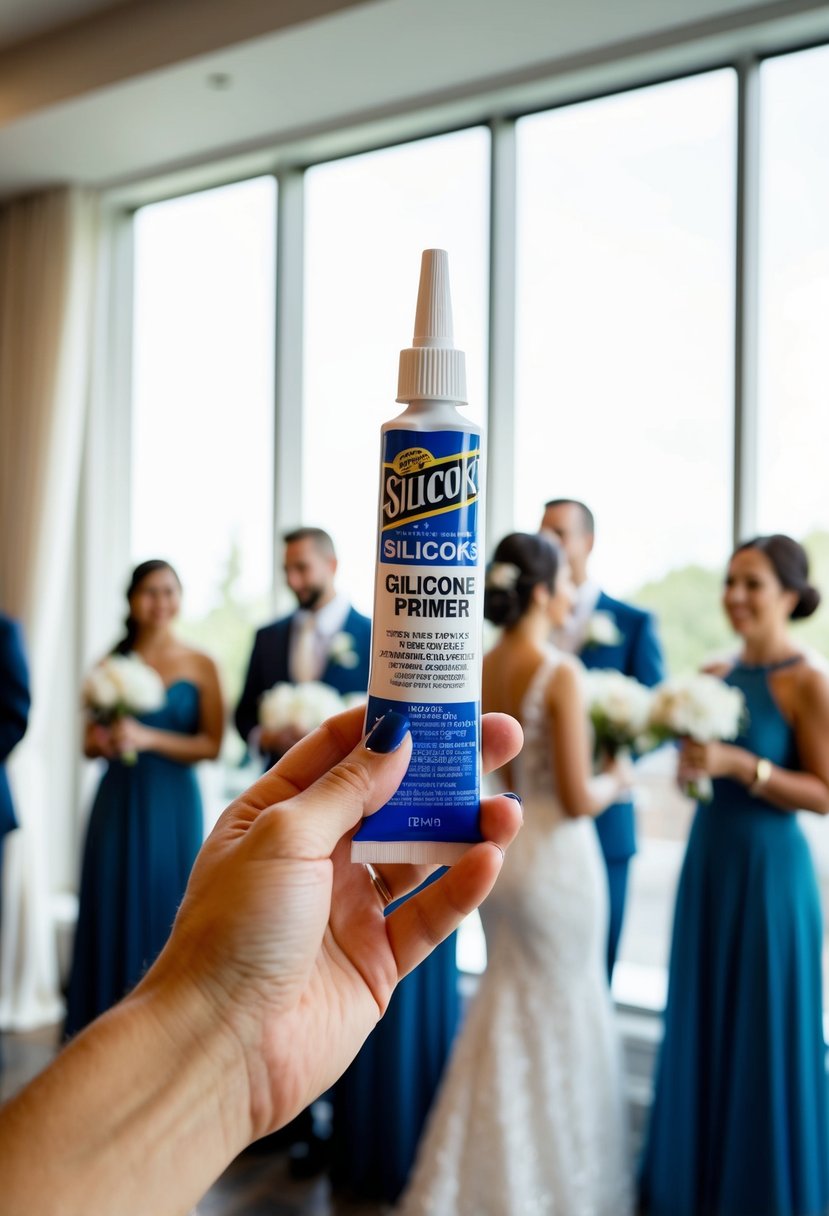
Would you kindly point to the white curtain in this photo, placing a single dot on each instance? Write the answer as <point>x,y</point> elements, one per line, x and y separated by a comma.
<point>48,249</point>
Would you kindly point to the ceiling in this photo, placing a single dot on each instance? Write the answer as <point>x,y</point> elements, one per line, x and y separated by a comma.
<point>138,87</point>
<point>22,19</point>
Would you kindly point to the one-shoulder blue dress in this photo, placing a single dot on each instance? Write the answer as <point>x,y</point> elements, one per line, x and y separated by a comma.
<point>739,1120</point>
<point>144,832</point>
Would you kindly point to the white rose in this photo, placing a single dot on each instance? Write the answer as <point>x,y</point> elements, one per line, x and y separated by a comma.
<point>700,707</point>
<point>302,706</point>
<point>342,650</point>
<point>602,630</point>
<point>125,683</point>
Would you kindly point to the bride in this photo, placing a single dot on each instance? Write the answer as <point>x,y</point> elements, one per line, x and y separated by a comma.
<point>530,1117</point>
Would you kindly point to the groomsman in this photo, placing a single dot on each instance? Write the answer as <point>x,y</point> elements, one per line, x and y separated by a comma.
<point>605,633</point>
<point>324,639</point>
<point>14,718</point>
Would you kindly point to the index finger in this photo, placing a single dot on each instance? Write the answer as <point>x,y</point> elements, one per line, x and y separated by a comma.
<point>305,763</point>
<point>307,760</point>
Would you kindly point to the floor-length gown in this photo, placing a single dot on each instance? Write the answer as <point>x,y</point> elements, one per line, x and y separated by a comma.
<point>530,1119</point>
<point>145,829</point>
<point>739,1121</point>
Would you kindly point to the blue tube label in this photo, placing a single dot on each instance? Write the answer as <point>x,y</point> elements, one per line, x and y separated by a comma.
<point>426,639</point>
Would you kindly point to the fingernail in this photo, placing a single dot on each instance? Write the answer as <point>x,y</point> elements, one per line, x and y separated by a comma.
<point>517,798</point>
<point>387,734</point>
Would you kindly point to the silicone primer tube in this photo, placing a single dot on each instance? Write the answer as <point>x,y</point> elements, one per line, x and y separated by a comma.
<point>426,644</point>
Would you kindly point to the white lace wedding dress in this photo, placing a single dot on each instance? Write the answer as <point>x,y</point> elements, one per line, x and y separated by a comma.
<point>530,1118</point>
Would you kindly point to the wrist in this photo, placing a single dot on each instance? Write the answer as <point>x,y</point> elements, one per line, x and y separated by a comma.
<point>189,1020</point>
<point>759,777</point>
<point>742,767</point>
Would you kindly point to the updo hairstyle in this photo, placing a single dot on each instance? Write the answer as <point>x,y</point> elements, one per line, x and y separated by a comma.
<point>522,561</point>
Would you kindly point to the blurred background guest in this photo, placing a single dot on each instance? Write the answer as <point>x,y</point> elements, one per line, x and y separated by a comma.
<point>739,1121</point>
<point>14,717</point>
<point>609,634</point>
<point>323,639</point>
<point>145,826</point>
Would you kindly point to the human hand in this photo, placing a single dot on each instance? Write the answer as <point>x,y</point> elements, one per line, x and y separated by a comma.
<point>283,940</point>
<point>278,742</point>
<point>710,759</point>
<point>129,737</point>
<point>620,767</point>
<point>102,741</point>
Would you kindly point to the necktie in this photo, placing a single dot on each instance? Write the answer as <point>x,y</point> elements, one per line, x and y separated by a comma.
<point>304,661</point>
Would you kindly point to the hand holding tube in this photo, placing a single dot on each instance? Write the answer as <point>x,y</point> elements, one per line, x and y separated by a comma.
<point>279,964</point>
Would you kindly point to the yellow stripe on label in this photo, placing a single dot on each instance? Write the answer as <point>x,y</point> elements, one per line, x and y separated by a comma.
<point>410,519</point>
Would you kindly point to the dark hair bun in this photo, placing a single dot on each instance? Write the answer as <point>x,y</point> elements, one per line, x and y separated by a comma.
<point>501,607</point>
<point>807,604</point>
<point>521,561</point>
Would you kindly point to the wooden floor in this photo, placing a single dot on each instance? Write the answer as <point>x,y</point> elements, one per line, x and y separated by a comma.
<point>256,1184</point>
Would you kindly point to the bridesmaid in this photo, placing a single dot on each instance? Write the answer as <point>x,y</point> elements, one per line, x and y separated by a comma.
<point>145,827</point>
<point>739,1121</point>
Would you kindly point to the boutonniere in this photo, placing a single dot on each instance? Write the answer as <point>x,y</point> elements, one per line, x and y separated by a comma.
<point>342,650</point>
<point>602,630</point>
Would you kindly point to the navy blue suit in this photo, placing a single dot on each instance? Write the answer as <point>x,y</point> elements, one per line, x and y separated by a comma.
<point>14,716</point>
<point>14,711</point>
<point>269,665</point>
<point>637,654</point>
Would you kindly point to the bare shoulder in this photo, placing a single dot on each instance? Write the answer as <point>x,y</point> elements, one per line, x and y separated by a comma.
<point>812,684</point>
<point>565,680</point>
<point>199,664</point>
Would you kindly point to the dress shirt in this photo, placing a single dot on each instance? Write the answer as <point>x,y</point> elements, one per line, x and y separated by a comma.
<point>328,621</point>
<point>572,635</point>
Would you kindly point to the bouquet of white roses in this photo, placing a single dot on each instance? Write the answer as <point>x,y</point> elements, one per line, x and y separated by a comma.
<point>699,707</point>
<point>301,706</point>
<point>619,709</point>
<point>122,685</point>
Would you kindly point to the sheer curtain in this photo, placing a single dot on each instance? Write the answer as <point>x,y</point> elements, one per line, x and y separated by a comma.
<point>48,250</point>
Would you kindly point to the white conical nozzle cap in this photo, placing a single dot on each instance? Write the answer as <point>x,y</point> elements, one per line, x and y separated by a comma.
<point>431,369</point>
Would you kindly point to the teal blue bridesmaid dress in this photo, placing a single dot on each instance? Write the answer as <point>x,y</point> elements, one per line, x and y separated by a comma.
<point>144,832</point>
<point>739,1120</point>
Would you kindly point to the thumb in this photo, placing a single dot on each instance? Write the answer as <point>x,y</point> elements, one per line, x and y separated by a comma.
<point>311,824</point>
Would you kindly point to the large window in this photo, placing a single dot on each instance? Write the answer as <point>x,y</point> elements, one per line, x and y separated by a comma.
<point>624,341</point>
<point>367,220</point>
<point>793,380</point>
<point>624,356</point>
<point>793,377</point>
<point>202,411</point>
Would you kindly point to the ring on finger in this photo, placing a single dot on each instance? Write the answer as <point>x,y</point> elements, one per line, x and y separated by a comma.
<point>379,883</point>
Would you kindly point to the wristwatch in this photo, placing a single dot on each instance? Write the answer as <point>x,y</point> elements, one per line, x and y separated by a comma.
<point>761,776</point>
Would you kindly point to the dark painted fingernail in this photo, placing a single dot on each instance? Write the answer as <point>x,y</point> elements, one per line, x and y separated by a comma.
<point>387,734</point>
<point>517,798</point>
